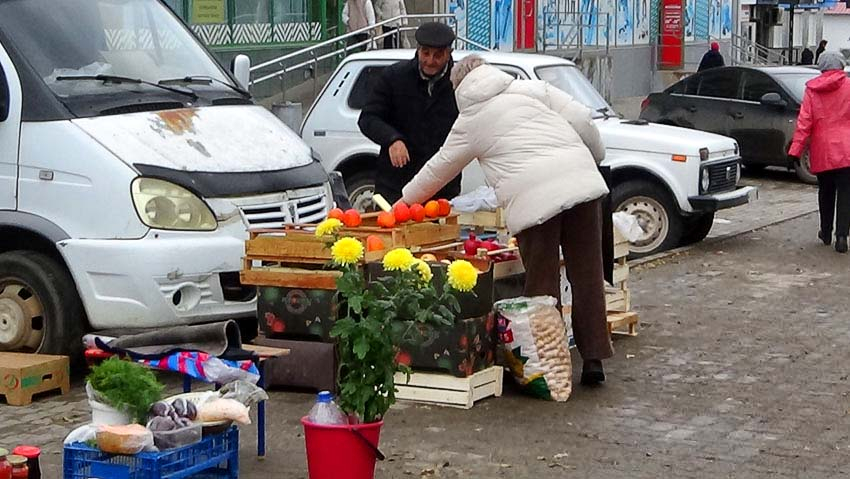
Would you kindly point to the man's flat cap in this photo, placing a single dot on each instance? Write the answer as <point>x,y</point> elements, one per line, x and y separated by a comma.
<point>435,35</point>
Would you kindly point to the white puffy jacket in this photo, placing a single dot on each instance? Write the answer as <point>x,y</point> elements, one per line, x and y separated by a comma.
<point>387,9</point>
<point>537,146</point>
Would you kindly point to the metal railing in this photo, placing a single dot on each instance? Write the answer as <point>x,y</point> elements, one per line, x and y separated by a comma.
<point>332,51</point>
<point>748,52</point>
<point>571,32</point>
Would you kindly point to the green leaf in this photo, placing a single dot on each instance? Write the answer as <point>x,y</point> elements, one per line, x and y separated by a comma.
<point>361,347</point>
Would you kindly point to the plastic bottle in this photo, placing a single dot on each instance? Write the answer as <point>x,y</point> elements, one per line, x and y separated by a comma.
<point>325,411</point>
<point>5,467</point>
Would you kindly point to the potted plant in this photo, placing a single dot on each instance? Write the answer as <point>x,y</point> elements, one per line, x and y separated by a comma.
<point>121,392</point>
<point>399,308</point>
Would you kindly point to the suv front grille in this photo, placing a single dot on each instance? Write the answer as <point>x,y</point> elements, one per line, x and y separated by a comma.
<point>306,205</point>
<point>724,175</point>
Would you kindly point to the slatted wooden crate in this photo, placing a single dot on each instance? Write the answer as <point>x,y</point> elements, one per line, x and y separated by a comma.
<point>447,390</point>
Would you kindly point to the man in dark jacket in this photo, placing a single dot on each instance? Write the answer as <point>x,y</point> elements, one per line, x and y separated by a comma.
<point>410,112</point>
<point>807,57</point>
<point>820,50</point>
<point>712,58</point>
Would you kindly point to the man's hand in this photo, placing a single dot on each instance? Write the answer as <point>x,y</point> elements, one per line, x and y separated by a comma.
<point>398,154</point>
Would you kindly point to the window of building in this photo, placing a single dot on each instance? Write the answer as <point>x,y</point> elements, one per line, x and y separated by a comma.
<point>250,11</point>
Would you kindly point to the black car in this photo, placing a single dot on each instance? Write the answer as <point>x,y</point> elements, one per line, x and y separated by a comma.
<point>757,106</point>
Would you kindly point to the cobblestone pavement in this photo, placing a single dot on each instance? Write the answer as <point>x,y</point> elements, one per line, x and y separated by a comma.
<point>739,371</point>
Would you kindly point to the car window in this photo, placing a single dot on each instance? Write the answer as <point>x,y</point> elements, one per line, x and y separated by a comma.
<point>719,83</point>
<point>757,84</point>
<point>363,86</point>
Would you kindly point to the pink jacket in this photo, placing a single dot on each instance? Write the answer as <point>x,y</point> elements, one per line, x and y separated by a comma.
<point>824,122</point>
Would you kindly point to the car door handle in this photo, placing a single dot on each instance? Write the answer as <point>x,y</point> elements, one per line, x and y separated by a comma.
<point>736,115</point>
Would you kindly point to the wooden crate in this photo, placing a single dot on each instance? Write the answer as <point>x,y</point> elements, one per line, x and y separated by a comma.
<point>481,221</point>
<point>619,320</point>
<point>446,390</point>
<point>24,375</point>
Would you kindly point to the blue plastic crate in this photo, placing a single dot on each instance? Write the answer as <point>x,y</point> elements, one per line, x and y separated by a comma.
<point>216,456</point>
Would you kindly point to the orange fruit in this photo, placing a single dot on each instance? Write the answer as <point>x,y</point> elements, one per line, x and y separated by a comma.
<point>351,218</point>
<point>337,213</point>
<point>417,212</point>
<point>386,219</point>
<point>432,209</point>
<point>374,243</point>
<point>401,213</point>
<point>445,207</point>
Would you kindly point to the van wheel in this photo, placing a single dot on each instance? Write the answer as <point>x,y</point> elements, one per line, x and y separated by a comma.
<point>803,168</point>
<point>40,310</point>
<point>361,188</point>
<point>697,228</point>
<point>656,213</point>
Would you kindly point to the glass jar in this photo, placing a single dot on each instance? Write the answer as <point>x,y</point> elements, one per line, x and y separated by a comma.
<point>5,467</point>
<point>32,453</point>
<point>19,467</point>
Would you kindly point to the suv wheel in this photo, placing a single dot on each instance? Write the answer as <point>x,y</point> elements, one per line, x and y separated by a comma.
<point>803,169</point>
<point>361,188</point>
<point>656,213</point>
<point>40,310</point>
<point>697,228</point>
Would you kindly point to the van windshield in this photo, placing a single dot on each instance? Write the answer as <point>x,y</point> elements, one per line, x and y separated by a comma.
<point>571,80</point>
<point>134,39</point>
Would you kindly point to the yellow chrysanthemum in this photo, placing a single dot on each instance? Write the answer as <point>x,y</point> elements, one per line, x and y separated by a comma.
<point>347,251</point>
<point>328,227</point>
<point>424,270</point>
<point>399,259</point>
<point>462,275</point>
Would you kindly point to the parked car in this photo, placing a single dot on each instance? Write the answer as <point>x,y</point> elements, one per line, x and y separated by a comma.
<point>757,106</point>
<point>131,165</point>
<point>672,179</point>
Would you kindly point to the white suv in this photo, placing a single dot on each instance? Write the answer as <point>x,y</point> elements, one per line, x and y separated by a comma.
<point>672,179</point>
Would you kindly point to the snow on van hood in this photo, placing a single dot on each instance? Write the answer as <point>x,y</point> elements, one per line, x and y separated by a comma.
<point>241,138</point>
<point>655,138</point>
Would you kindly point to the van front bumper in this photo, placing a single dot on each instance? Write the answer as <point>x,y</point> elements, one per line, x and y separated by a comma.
<point>716,202</point>
<point>164,279</point>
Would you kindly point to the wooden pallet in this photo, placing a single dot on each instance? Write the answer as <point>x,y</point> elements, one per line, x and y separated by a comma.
<point>24,375</point>
<point>447,390</point>
<point>618,320</point>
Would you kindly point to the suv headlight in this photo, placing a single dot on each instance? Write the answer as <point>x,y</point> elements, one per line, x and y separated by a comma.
<point>704,180</point>
<point>164,205</point>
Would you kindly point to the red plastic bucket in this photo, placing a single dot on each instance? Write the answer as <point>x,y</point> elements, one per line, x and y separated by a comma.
<point>336,452</point>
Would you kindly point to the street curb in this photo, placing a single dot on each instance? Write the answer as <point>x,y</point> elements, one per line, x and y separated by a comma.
<point>716,239</point>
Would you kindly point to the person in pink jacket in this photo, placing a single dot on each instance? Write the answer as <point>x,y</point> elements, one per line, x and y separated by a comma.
<point>823,126</point>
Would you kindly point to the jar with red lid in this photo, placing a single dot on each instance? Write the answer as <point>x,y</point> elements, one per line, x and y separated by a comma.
<point>5,467</point>
<point>19,467</point>
<point>32,453</point>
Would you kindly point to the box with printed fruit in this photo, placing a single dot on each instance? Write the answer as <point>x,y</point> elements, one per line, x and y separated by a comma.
<point>297,313</point>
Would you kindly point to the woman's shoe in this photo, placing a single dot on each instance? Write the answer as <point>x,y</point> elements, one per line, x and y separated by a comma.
<point>841,244</point>
<point>592,373</point>
<point>825,237</point>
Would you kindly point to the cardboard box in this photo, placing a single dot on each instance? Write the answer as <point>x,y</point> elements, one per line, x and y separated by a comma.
<point>24,375</point>
<point>462,349</point>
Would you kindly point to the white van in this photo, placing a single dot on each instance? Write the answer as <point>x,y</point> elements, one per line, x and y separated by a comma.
<point>131,165</point>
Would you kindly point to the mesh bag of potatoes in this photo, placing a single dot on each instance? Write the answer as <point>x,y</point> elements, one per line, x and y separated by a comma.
<point>534,338</point>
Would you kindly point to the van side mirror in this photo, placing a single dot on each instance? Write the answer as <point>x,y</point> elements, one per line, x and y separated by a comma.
<point>773,99</point>
<point>241,68</point>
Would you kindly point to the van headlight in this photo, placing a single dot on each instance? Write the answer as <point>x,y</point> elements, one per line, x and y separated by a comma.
<point>704,180</point>
<point>164,205</point>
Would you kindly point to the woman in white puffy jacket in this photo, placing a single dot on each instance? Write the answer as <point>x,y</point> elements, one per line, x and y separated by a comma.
<point>539,150</point>
<point>386,10</point>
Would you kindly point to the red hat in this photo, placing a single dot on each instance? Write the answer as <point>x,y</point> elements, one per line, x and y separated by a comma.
<point>715,46</point>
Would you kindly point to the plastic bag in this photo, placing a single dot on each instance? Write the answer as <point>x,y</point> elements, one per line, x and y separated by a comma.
<point>214,410</point>
<point>628,225</point>
<point>85,433</point>
<point>534,338</point>
<point>130,439</point>
<point>220,373</point>
<point>177,437</point>
<point>102,414</point>
<point>244,392</point>
<point>482,198</point>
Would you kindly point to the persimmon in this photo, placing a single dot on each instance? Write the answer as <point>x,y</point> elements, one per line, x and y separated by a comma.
<point>432,209</point>
<point>374,243</point>
<point>401,213</point>
<point>417,212</point>
<point>352,218</point>
<point>386,219</point>
<point>445,207</point>
<point>337,213</point>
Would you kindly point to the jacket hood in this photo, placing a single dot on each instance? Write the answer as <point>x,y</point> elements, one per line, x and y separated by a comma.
<point>828,81</point>
<point>480,85</point>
